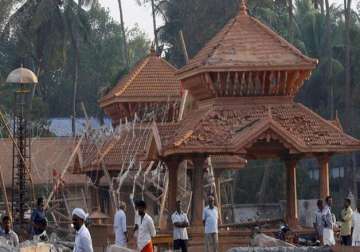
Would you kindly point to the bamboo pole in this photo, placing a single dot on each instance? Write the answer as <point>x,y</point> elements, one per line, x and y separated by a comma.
<point>64,171</point>
<point>165,193</point>
<point>186,92</point>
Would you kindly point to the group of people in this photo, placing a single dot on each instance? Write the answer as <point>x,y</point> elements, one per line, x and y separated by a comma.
<point>37,226</point>
<point>325,223</point>
<point>144,229</point>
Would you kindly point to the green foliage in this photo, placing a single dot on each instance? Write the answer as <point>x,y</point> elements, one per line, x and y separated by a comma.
<point>45,38</point>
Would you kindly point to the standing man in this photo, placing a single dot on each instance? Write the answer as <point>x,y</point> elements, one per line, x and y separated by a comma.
<point>346,218</point>
<point>8,233</point>
<point>38,218</point>
<point>180,222</point>
<point>329,223</point>
<point>83,242</point>
<point>210,220</point>
<point>319,224</point>
<point>120,227</point>
<point>146,229</point>
<point>356,227</point>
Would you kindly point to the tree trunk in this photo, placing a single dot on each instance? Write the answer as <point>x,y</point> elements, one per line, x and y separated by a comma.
<point>154,24</point>
<point>351,169</point>
<point>125,48</point>
<point>75,84</point>
<point>328,53</point>
<point>322,6</point>
<point>348,110</point>
<point>291,20</point>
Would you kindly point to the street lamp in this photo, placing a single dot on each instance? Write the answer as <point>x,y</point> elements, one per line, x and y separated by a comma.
<point>24,81</point>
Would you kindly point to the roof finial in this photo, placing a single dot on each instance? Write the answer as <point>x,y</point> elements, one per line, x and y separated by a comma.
<point>243,7</point>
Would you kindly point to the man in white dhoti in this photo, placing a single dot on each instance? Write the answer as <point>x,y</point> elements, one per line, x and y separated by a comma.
<point>120,227</point>
<point>356,227</point>
<point>329,223</point>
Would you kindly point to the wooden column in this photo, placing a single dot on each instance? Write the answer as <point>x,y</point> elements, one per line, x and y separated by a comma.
<point>172,165</point>
<point>324,176</point>
<point>197,188</point>
<point>217,174</point>
<point>291,194</point>
<point>94,191</point>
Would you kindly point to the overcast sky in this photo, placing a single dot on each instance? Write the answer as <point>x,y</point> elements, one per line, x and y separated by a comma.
<point>141,15</point>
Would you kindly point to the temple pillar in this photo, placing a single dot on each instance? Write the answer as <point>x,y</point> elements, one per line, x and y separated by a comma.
<point>197,188</point>
<point>94,191</point>
<point>217,174</point>
<point>172,165</point>
<point>291,193</point>
<point>324,176</point>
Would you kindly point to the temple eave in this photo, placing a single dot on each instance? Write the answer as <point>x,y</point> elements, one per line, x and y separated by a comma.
<point>187,73</point>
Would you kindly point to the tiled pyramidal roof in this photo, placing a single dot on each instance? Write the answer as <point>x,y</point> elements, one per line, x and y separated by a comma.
<point>152,79</point>
<point>266,122</point>
<point>246,44</point>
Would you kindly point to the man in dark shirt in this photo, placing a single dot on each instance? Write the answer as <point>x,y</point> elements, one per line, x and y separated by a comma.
<point>38,218</point>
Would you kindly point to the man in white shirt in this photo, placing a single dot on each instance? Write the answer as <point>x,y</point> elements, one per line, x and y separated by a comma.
<point>180,222</point>
<point>120,227</point>
<point>83,242</point>
<point>146,229</point>
<point>210,220</point>
<point>6,232</point>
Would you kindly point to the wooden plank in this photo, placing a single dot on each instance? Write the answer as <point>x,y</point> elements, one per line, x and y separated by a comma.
<point>66,205</point>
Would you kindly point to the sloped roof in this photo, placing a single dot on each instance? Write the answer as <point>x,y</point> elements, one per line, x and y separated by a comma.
<point>232,126</point>
<point>116,151</point>
<point>246,44</point>
<point>152,79</point>
<point>48,154</point>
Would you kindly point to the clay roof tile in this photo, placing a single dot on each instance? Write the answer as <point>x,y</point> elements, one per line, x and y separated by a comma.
<point>246,44</point>
<point>152,77</point>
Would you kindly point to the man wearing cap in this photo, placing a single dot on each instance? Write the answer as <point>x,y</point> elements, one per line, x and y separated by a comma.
<point>83,242</point>
<point>120,226</point>
<point>146,229</point>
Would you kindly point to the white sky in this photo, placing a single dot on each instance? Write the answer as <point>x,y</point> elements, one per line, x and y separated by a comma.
<point>141,15</point>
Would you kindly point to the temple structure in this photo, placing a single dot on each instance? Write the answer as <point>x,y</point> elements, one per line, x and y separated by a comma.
<point>149,94</point>
<point>244,81</point>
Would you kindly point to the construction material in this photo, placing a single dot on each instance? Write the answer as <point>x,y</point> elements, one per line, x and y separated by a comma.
<point>281,249</point>
<point>265,241</point>
<point>58,181</point>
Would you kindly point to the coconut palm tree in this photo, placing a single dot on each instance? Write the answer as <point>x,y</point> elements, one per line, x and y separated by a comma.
<point>125,46</point>
<point>44,29</point>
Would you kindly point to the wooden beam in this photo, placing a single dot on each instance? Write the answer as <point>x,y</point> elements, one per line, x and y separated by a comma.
<point>291,193</point>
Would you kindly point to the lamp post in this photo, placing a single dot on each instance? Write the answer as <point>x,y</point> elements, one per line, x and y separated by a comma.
<point>24,80</point>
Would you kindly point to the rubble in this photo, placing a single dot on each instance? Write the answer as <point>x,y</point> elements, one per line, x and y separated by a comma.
<point>265,241</point>
<point>116,248</point>
<point>281,249</point>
